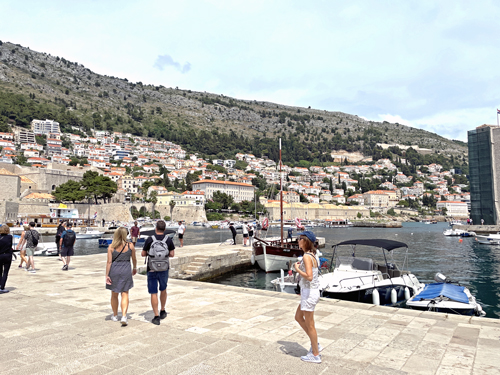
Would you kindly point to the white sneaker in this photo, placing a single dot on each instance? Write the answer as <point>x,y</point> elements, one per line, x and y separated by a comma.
<point>309,357</point>
<point>124,321</point>
<point>114,318</point>
<point>320,349</point>
<point>32,270</point>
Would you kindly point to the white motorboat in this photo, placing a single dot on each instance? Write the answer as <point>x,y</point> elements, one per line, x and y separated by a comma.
<point>43,248</point>
<point>88,233</point>
<point>46,248</point>
<point>361,279</point>
<point>454,232</point>
<point>445,297</point>
<point>491,239</point>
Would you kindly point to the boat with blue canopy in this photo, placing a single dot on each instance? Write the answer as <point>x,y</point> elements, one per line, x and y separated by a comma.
<point>446,297</point>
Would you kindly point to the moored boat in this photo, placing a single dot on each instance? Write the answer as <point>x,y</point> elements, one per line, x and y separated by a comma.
<point>445,297</point>
<point>361,279</point>
<point>88,233</point>
<point>491,239</point>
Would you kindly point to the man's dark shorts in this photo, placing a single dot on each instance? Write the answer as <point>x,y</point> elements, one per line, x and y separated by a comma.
<point>157,277</point>
<point>181,236</point>
<point>245,235</point>
<point>67,251</point>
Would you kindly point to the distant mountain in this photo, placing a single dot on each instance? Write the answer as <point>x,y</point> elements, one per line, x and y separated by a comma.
<point>39,85</point>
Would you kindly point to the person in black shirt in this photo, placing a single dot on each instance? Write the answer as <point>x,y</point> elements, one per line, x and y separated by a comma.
<point>233,231</point>
<point>60,229</point>
<point>5,256</point>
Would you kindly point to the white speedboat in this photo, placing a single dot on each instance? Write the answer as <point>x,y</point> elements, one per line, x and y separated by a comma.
<point>454,232</point>
<point>447,298</point>
<point>88,233</point>
<point>361,279</point>
<point>46,248</point>
<point>491,239</point>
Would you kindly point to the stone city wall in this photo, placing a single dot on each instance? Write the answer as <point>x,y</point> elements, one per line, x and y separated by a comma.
<point>109,211</point>
<point>8,211</point>
<point>10,186</point>
<point>187,214</point>
<point>317,213</point>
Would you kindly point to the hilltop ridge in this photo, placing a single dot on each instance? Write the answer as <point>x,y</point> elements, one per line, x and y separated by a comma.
<point>204,122</point>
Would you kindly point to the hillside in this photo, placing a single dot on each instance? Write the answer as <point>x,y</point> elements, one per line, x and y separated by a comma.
<point>34,84</point>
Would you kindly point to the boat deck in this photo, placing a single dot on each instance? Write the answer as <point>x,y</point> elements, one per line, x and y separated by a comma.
<point>218,329</point>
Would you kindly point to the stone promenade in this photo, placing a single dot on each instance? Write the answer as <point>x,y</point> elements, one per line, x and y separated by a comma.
<point>56,322</point>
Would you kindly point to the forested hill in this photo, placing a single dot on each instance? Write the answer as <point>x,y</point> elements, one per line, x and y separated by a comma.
<point>38,85</point>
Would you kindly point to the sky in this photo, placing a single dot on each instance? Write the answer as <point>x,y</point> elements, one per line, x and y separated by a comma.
<point>432,65</point>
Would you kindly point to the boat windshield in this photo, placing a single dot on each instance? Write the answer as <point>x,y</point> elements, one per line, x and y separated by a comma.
<point>362,264</point>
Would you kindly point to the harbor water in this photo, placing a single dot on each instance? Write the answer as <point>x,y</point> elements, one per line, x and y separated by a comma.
<point>467,263</point>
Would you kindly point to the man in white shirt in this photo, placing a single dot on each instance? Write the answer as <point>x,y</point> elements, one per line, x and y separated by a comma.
<point>180,232</point>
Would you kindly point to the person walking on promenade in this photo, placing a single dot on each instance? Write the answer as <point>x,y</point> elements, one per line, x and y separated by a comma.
<point>118,274</point>
<point>31,241</point>
<point>5,256</point>
<point>309,293</point>
<point>180,232</point>
<point>158,248</point>
<point>233,232</point>
<point>482,221</point>
<point>245,233</point>
<point>103,222</point>
<point>60,229</point>
<point>135,232</point>
<point>22,248</point>
<point>68,238</point>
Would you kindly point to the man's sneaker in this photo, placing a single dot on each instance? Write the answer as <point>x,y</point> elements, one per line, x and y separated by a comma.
<point>124,321</point>
<point>114,318</point>
<point>65,267</point>
<point>309,357</point>
<point>32,271</point>
<point>320,349</point>
<point>156,320</point>
<point>2,291</point>
<point>163,314</point>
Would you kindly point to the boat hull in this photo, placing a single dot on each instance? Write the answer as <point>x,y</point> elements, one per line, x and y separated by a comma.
<point>272,257</point>
<point>87,236</point>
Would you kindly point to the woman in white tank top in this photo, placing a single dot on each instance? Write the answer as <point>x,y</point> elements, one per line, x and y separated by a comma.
<point>309,293</point>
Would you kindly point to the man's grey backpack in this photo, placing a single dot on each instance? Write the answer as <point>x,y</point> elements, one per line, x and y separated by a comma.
<point>158,255</point>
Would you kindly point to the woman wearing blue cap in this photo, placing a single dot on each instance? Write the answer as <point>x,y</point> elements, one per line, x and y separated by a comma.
<point>309,293</point>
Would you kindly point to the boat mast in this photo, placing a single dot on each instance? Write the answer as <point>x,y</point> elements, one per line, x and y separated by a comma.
<point>281,199</point>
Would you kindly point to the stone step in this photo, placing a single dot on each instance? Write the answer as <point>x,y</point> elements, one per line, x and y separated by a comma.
<point>197,264</point>
<point>201,259</point>
<point>190,272</point>
<point>193,268</point>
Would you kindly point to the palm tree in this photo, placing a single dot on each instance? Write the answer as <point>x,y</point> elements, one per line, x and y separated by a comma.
<point>172,205</point>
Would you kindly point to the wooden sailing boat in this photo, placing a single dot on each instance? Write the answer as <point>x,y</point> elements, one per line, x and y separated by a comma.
<point>275,254</point>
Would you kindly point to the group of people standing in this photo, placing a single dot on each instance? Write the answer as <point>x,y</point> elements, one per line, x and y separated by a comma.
<point>248,233</point>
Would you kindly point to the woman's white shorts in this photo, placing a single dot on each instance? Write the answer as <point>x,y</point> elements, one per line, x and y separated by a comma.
<point>308,299</point>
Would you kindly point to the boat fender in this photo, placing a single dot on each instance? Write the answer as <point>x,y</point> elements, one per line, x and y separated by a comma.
<point>440,278</point>
<point>394,296</point>
<point>478,310</point>
<point>375,297</point>
<point>252,259</point>
<point>407,293</point>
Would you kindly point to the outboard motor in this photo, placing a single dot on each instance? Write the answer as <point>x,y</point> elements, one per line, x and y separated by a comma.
<point>440,278</point>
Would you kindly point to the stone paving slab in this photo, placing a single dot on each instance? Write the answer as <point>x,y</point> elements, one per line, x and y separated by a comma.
<point>57,322</point>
